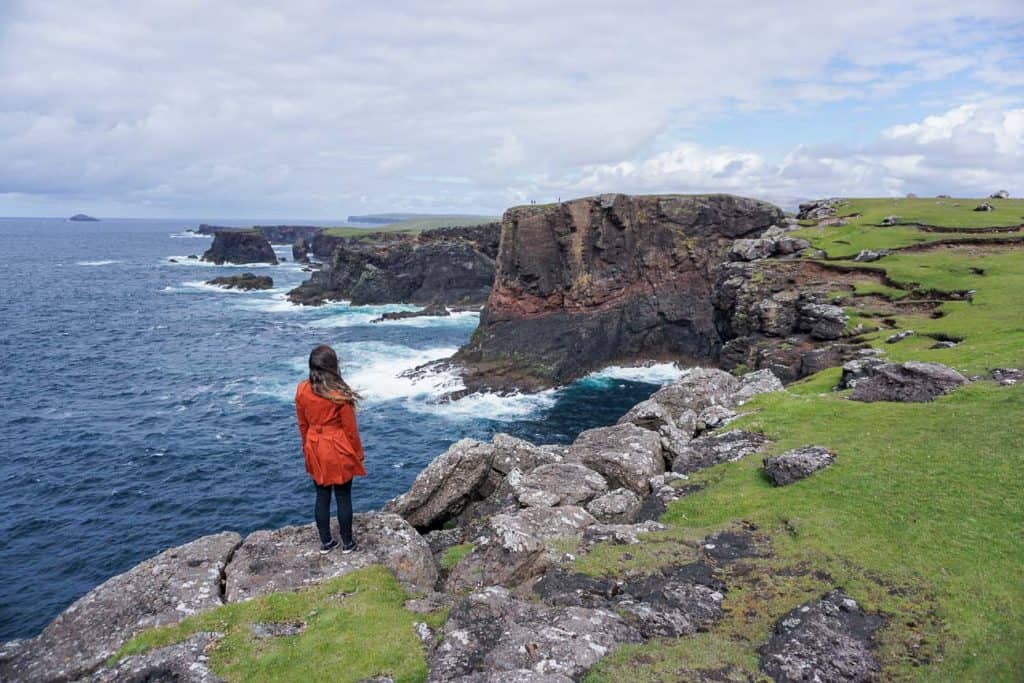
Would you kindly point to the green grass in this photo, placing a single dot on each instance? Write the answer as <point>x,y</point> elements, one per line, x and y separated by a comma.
<point>356,629</point>
<point>413,225</point>
<point>862,232</point>
<point>920,518</point>
<point>454,555</point>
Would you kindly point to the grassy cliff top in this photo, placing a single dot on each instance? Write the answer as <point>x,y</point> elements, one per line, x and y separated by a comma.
<point>414,225</point>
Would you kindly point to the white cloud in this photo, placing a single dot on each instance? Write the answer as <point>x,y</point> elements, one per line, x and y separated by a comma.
<point>232,108</point>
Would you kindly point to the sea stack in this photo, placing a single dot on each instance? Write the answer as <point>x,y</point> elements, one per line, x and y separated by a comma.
<point>240,246</point>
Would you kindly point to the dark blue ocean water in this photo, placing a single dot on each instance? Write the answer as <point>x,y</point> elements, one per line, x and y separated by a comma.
<point>140,409</point>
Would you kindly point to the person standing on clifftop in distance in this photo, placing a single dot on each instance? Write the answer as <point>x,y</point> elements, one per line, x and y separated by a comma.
<point>325,407</point>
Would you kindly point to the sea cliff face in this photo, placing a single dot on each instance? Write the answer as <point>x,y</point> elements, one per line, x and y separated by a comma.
<point>583,283</point>
<point>453,266</point>
<point>239,246</point>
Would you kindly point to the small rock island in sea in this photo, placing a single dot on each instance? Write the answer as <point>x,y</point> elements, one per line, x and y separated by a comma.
<point>240,246</point>
<point>83,218</point>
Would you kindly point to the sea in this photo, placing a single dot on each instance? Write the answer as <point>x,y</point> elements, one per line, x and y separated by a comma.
<point>141,408</point>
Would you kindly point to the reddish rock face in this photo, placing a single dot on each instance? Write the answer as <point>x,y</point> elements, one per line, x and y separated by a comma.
<point>599,279</point>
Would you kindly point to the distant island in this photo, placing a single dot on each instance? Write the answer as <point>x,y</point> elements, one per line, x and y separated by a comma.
<point>83,218</point>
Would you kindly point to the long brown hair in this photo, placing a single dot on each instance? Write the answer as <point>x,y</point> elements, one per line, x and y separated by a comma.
<point>325,377</point>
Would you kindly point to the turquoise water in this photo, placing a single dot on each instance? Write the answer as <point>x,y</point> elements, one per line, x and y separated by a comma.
<point>140,408</point>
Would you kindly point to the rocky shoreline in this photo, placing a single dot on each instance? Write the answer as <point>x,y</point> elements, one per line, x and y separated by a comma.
<point>524,512</point>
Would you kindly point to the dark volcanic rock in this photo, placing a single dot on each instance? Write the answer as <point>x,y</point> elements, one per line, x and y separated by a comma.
<point>796,464</point>
<point>430,310</point>
<point>162,590</point>
<point>239,246</point>
<point>245,281</point>
<point>275,234</point>
<point>451,266</point>
<point>912,381</point>
<point>826,640</point>
<point>489,631</point>
<point>300,250</point>
<point>712,450</point>
<point>600,279</point>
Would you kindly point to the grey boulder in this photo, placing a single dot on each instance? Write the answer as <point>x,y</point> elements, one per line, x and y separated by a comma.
<point>560,484</point>
<point>755,383</point>
<point>796,464</point>
<point>712,450</point>
<point>913,381</point>
<point>442,490</point>
<point>184,662</point>
<point>625,455</point>
<point>620,506</point>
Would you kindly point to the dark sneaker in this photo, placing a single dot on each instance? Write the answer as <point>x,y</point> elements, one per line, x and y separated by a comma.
<point>328,547</point>
<point>349,548</point>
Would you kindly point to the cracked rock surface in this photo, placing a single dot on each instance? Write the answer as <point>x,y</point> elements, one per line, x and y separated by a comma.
<point>161,590</point>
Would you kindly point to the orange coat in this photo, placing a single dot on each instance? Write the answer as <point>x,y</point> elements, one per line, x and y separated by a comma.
<point>330,437</point>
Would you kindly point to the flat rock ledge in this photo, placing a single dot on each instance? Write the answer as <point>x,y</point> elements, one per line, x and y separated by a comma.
<point>289,558</point>
<point>159,591</point>
<point>824,640</point>
<point>909,382</point>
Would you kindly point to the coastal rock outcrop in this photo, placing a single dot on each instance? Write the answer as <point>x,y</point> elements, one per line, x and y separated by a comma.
<point>161,590</point>
<point>245,281</point>
<point>275,234</point>
<point>300,250</point>
<point>797,464</point>
<point>239,246</point>
<point>453,266</point>
<point>288,558</point>
<point>583,283</point>
<point>913,381</point>
<point>830,639</point>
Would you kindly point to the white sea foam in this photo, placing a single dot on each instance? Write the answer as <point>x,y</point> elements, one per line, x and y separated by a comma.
<point>650,373</point>
<point>187,234</point>
<point>96,263</point>
<point>186,261</point>
<point>362,315</point>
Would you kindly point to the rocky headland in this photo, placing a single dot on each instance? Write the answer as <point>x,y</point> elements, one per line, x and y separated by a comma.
<point>239,247</point>
<point>451,266</point>
<point>275,234</point>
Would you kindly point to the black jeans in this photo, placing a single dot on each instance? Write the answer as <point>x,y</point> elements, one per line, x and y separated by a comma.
<point>343,494</point>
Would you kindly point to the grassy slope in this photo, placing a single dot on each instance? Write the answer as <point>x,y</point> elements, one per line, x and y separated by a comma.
<point>357,628</point>
<point>414,225</point>
<point>864,232</point>
<point>921,517</point>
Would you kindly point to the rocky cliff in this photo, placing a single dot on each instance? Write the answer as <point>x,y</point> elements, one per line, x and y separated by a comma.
<point>453,266</point>
<point>275,234</point>
<point>239,246</point>
<point>587,282</point>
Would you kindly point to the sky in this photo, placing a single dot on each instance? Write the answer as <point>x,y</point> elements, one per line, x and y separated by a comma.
<point>318,109</point>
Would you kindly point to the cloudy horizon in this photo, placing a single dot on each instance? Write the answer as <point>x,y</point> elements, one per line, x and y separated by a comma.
<point>320,110</point>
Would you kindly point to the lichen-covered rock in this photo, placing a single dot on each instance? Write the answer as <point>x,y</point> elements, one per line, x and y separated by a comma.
<point>626,455</point>
<point>289,558</point>
<point>675,603</point>
<point>823,321</point>
<point>490,631</point>
<point>514,453</point>
<point>620,506</point>
<point>912,381</point>
<point>867,255</point>
<point>161,590</point>
<point>858,369</point>
<point>514,547</point>
<point>714,417</point>
<point>619,534</point>
<point>757,382</point>
<point>712,450</point>
<point>825,640</point>
<point>513,676</point>
<point>984,206</point>
<point>560,484</point>
<point>446,485</point>
<point>818,209</point>
<point>184,662</point>
<point>796,464</point>
<point>698,390</point>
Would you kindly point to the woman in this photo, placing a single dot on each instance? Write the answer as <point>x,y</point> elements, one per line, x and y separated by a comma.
<point>325,406</point>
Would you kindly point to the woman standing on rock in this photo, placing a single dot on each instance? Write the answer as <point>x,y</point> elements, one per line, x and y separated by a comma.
<point>325,406</point>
